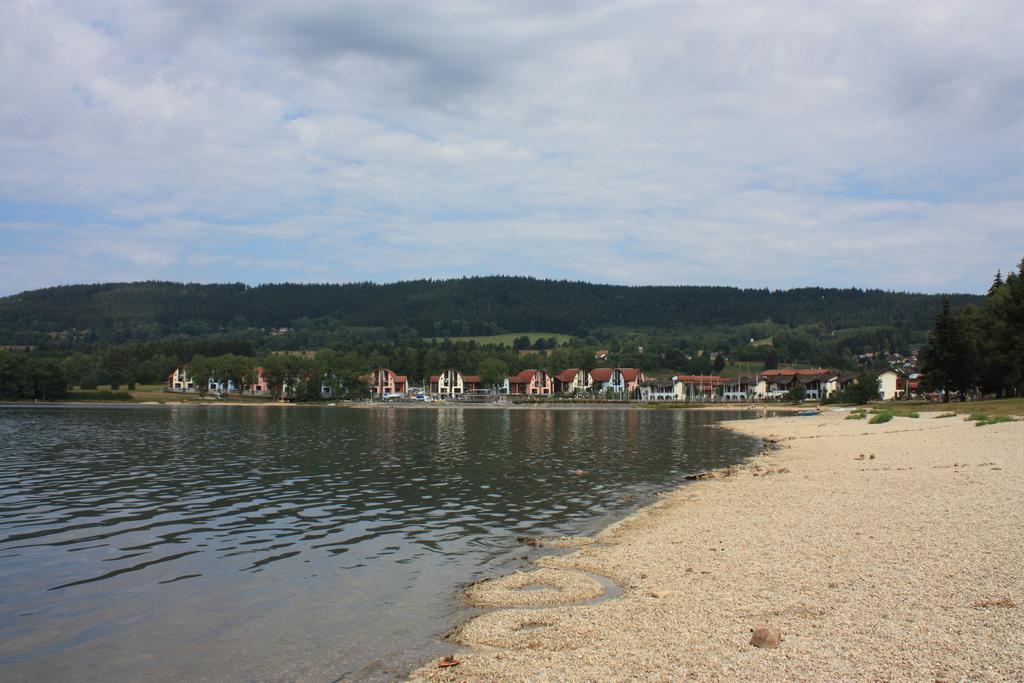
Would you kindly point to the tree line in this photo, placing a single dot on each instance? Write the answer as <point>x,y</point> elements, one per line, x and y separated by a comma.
<point>980,348</point>
<point>335,314</point>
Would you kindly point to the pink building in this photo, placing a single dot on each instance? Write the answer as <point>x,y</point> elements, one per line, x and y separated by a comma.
<point>259,386</point>
<point>530,383</point>
<point>384,382</point>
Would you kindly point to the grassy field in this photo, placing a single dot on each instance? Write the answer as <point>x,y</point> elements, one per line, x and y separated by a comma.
<point>507,339</point>
<point>741,369</point>
<point>151,393</point>
<point>1004,406</point>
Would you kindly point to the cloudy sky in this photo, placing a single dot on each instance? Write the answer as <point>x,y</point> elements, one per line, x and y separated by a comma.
<point>765,144</point>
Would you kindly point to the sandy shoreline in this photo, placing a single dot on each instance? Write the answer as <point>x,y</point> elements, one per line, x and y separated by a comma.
<point>902,566</point>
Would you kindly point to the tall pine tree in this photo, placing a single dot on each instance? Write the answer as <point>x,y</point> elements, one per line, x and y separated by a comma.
<point>946,361</point>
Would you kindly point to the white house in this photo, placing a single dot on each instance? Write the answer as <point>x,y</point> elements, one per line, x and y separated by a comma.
<point>741,389</point>
<point>451,383</point>
<point>697,388</point>
<point>180,380</point>
<point>216,386</point>
<point>891,385</point>
<point>573,381</point>
<point>777,383</point>
<point>657,390</point>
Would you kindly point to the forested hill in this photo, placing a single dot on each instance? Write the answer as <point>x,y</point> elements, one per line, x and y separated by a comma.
<point>427,308</point>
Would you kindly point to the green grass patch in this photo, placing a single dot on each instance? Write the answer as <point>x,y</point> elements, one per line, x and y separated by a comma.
<point>856,416</point>
<point>994,419</point>
<point>905,413</point>
<point>741,369</point>
<point>938,417</point>
<point>880,417</point>
<point>996,406</point>
<point>977,417</point>
<point>99,395</point>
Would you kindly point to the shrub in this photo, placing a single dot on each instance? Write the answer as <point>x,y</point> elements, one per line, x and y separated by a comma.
<point>856,416</point>
<point>880,417</point>
<point>996,419</point>
<point>937,417</point>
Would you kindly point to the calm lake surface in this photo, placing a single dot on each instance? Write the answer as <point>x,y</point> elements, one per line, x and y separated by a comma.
<point>218,543</point>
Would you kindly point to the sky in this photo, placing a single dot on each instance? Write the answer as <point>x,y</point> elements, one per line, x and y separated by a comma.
<point>779,144</point>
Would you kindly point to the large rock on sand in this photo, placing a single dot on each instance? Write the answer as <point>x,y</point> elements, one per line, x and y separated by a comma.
<point>766,637</point>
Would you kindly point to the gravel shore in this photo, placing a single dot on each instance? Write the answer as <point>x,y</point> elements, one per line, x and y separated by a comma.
<point>881,552</point>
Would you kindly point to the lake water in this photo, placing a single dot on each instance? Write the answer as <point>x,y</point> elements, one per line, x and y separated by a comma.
<point>218,543</point>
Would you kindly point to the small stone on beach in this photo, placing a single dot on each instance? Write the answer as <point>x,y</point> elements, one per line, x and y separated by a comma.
<point>766,637</point>
<point>447,661</point>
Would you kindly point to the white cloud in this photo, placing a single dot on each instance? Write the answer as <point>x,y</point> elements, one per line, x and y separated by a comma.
<point>618,141</point>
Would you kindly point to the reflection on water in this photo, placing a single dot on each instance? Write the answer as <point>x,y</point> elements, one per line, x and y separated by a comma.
<point>296,543</point>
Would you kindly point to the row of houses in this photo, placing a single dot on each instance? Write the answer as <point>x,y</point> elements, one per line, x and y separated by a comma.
<point>632,383</point>
<point>182,381</point>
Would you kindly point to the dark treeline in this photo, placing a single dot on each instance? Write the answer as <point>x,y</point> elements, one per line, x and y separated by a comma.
<point>332,314</point>
<point>980,348</point>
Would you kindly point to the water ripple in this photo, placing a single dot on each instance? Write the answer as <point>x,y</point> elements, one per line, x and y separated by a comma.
<point>246,537</point>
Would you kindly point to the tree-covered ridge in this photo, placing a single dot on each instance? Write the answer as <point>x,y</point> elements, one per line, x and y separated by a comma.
<point>437,308</point>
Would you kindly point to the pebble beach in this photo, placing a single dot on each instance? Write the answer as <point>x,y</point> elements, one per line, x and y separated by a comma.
<point>867,552</point>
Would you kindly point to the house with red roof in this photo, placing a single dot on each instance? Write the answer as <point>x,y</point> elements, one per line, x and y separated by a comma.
<point>384,382</point>
<point>573,381</point>
<point>618,381</point>
<point>451,383</point>
<point>818,383</point>
<point>529,383</point>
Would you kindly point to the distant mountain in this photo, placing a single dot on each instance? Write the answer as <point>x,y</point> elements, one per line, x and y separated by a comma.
<point>466,306</point>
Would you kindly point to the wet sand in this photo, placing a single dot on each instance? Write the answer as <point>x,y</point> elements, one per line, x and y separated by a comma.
<point>880,552</point>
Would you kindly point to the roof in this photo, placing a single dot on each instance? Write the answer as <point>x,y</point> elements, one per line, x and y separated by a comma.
<point>523,377</point>
<point>601,374</point>
<point>629,374</point>
<point>471,379</point>
<point>568,375</point>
